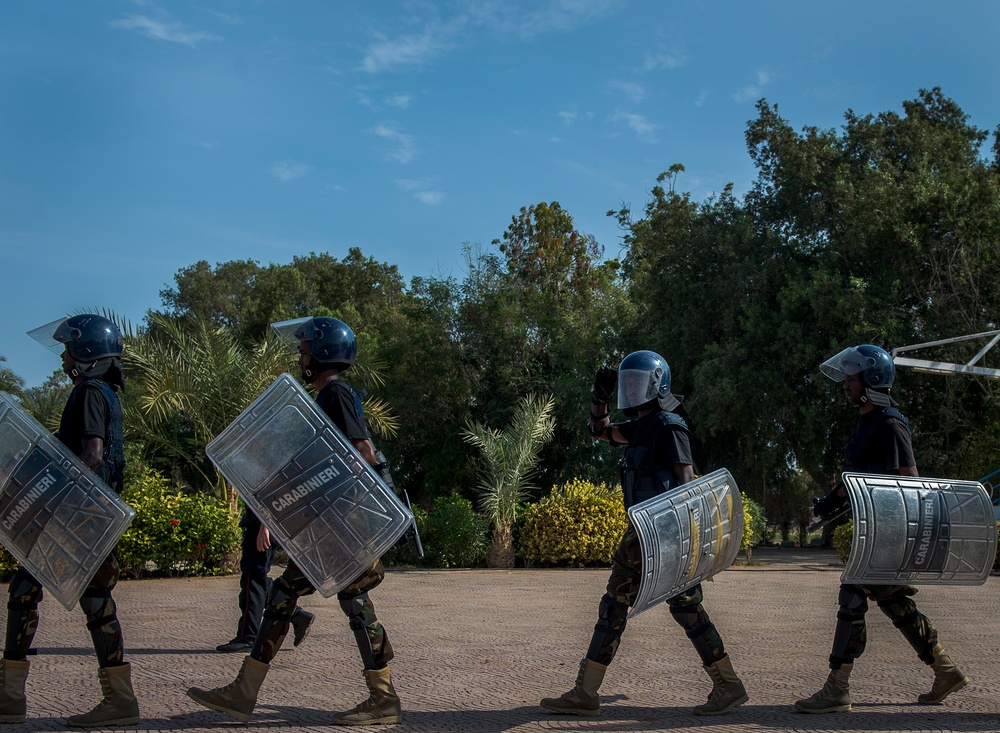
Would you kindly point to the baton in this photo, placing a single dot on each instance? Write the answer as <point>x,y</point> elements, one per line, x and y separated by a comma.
<point>413,526</point>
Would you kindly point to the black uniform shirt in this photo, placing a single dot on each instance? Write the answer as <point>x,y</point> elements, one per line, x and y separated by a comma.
<point>86,416</point>
<point>673,446</point>
<point>338,402</point>
<point>879,444</point>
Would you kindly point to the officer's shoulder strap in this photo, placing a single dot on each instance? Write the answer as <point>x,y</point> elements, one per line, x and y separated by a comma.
<point>355,394</point>
<point>673,420</point>
<point>889,413</point>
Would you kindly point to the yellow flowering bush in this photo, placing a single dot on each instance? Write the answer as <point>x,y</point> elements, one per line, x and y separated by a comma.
<point>579,523</point>
<point>843,536</point>
<point>754,524</point>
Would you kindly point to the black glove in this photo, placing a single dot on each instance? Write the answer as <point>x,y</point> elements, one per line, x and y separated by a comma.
<point>829,505</point>
<point>605,384</point>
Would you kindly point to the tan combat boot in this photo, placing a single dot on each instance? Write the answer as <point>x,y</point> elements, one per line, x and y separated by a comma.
<point>119,706</point>
<point>834,697</point>
<point>238,698</point>
<point>583,698</point>
<point>13,706</point>
<point>727,690</point>
<point>381,707</point>
<point>947,678</point>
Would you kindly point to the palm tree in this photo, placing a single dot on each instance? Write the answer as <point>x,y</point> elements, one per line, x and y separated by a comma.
<point>510,458</point>
<point>9,381</point>
<point>189,379</point>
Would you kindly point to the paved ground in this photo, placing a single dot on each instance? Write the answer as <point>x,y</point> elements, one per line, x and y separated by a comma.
<point>477,649</point>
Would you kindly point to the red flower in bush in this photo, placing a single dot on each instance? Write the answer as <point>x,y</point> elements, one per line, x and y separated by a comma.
<point>174,522</point>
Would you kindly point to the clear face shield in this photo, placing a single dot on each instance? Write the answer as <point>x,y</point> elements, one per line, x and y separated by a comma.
<point>847,362</point>
<point>292,332</point>
<point>637,387</point>
<point>54,336</point>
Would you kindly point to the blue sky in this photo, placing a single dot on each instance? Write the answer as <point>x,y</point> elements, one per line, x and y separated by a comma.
<point>139,137</point>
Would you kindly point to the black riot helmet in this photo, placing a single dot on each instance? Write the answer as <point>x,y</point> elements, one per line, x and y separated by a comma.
<point>88,337</point>
<point>872,363</point>
<point>644,376</point>
<point>332,343</point>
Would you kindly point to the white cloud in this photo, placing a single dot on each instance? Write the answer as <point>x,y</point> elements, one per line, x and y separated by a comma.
<point>499,18</point>
<point>568,116</point>
<point>637,123</point>
<point>420,190</point>
<point>431,198</point>
<point>412,50</point>
<point>752,92</point>
<point>538,18</point>
<point>400,101</point>
<point>632,90</point>
<point>287,170</point>
<point>227,18</point>
<point>656,60</point>
<point>163,30</point>
<point>702,98</point>
<point>405,150</point>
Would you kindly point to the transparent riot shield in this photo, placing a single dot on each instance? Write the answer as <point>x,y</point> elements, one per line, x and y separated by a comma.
<point>56,516</point>
<point>916,530</point>
<point>320,500</point>
<point>687,535</point>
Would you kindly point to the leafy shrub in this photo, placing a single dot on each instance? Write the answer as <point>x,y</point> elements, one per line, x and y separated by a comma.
<point>842,538</point>
<point>579,523</point>
<point>8,565</point>
<point>453,534</point>
<point>754,525</point>
<point>176,532</point>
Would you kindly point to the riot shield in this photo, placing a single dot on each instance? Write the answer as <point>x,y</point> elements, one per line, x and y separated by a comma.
<point>320,500</point>
<point>916,530</point>
<point>56,516</point>
<point>687,535</point>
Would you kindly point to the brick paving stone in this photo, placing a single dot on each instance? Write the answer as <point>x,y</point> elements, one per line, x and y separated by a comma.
<point>477,649</point>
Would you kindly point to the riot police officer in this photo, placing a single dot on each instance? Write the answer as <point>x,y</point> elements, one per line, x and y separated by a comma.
<point>657,458</point>
<point>327,348</point>
<point>880,444</point>
<point>255,586</point>
<point>91,426</point>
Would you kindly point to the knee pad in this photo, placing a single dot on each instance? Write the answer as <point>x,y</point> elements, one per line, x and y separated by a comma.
<point>852,602</point>
<point>360,616</point>
<point>24,591</point>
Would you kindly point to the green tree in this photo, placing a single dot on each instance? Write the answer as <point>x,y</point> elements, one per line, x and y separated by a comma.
<point>885,232</point>
<point>509,459</point>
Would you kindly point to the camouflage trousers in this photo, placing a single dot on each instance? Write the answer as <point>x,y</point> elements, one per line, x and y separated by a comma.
<point>623,588</point>
<point>370,635</point>
<point>25,593</point>
<point>894,601</point>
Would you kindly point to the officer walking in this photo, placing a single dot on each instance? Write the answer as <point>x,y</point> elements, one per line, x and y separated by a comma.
<point>255,586</point>
<point>657,459</point>
<point>327,348</point>
<point>91,427</point>
<point>880,444</point>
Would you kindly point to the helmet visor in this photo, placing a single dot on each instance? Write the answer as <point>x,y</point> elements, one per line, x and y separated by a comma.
<point>636,387</point>
<point>53,336</point>
<point>291,332</point>
<point>847,362</point>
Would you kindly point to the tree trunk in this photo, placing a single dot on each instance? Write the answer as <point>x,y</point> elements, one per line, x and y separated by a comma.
<point>501,554</point>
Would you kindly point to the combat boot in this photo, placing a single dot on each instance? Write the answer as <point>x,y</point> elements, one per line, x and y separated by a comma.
<point>301,621</point>
<point>583,698</point>
<point>727,689</point>
<point>13,706</point>
<point>238,698</point>
<point>382,705</point>
<point>834,697</point>
<point>947,678</point>
<point>119,706</point>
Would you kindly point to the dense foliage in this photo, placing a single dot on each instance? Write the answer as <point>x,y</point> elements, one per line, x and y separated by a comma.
<point>578,523</point>
<point>885,231</point>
